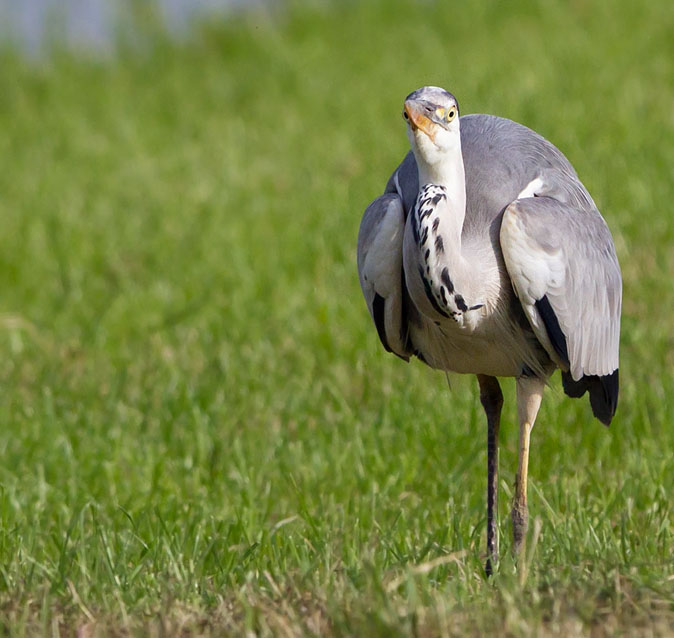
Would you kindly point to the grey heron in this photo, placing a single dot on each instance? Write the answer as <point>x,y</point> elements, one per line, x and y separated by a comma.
<point>486,255</point>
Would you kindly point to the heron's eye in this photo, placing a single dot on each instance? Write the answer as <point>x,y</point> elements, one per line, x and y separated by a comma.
<point>451,114</point>
<point>405,116</point>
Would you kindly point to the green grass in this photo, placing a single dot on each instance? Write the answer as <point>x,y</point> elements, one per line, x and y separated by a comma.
<point>199,430</point>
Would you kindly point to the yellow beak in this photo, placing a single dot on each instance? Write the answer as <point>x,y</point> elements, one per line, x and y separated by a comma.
<point>418,120</point>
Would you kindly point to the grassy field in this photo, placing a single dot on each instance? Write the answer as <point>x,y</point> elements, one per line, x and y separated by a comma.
<point>200,433</point>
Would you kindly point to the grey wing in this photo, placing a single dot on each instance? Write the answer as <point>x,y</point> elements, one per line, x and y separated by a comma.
<point>380,240</point>
<point>405,181</point>
<point>563,266</point>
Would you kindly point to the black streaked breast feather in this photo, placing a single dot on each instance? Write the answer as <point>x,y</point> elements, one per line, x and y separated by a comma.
<point>430,295</point>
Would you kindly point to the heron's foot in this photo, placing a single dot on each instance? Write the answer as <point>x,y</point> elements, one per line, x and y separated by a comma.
<point>520,516</point>
<point>488,568</point>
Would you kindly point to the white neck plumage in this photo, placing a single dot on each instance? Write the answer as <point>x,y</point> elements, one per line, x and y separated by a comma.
<point>444,167</point>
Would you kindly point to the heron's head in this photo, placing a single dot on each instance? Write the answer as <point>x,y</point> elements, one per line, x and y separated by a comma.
<point>432,116</point>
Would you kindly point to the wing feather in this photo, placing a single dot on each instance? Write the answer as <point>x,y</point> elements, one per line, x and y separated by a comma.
<point>562,264</point>
<point>380,241</point>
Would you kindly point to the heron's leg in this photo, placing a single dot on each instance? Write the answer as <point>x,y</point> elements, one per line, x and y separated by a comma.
<point>492,401</point>
<point>529,395</point>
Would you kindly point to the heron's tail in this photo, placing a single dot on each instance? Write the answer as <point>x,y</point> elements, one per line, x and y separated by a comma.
<point>603,391</point>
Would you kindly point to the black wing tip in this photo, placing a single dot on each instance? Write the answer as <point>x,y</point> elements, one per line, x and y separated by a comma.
<point>603,391</point>
<point>604,396</point>
<point>378,312</point>
<point>553,328</point>
<point>378,309</point>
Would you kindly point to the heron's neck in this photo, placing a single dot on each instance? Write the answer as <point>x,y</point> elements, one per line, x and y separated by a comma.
<point>461,263</point>
<point>449,173</point>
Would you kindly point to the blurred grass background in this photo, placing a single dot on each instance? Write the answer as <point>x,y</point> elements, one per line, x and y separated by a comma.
<point>200,430</point>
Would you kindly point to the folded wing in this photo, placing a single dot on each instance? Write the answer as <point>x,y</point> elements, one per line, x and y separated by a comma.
<point>564,270</point>
<point>380,271</point>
